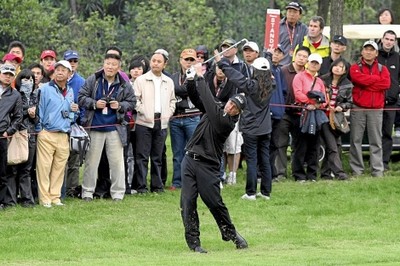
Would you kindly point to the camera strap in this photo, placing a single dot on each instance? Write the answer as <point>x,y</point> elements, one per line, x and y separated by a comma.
<point>108,89</point>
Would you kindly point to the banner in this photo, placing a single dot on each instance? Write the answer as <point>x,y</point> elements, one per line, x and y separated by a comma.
<point>272,20</point>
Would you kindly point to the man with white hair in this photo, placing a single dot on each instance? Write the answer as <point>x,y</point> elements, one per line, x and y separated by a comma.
<point>56,112</point>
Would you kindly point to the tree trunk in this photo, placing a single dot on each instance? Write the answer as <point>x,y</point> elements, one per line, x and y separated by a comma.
<point>323,9</point>
<point>336,20</point>
<point>74,11</point>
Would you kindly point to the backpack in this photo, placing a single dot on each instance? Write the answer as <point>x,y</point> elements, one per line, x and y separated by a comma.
<point>79,141</point>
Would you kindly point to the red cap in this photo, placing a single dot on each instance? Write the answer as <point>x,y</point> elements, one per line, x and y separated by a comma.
<point>11,57</point>
<point>47,53</point>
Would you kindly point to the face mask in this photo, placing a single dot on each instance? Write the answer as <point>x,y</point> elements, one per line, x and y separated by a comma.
<point>26,87</point>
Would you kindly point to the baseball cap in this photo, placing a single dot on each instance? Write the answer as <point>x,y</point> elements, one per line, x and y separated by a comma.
<point>315,57</point>
<point>371,43</point>
<point>294,5</point>
<point>239,100</point>
<point>187,53</point>
<point>340,38</point>
<point>71,54</point>
<point>252,45</point>
<point>163,52</point>
<point>280,48</point>
<point>7,68</point>
<point>227,42</point>
<point>47,53</point>
<point>63,63</point>
<point>261,63</point>
<point>11,57</point>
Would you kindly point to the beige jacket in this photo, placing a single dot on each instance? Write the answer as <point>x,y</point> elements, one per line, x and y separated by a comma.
<point>144,92</point>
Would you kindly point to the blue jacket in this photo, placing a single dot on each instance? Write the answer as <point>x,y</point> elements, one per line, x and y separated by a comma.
<point>278,98</point>
<point>54,109</point>
<point>76,82</point>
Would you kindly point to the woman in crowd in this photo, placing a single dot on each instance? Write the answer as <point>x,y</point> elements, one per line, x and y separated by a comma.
<point>339,99</point>
<point>21,173</point>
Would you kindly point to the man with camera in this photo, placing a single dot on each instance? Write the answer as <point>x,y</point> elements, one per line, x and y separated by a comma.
<point>106,96</point>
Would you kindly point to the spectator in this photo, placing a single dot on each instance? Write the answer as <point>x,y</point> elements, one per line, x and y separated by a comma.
<point>10,119</point>
<point>250,52</point>
<point>315,40</point>
<point>389,57</point>
<point>155,106</point>
<point>371,80</point>
<point>106,97</point>
<point>277,102</point>
<point>290,120</point>
<point>338,47</point>
<point>76,81</point>
<point>38,71</point>
<point>56,112</point>
<point>255,123</point>
<point>339,97</point>
<point>12,59</point>
<point>291,31</point>
<point>306,144</point>
<point>47,59</point>
<point>202,56</point>
<point>186,116</point>
<point>17,48</point>
<point>20,178</point>
<point>385,16</point>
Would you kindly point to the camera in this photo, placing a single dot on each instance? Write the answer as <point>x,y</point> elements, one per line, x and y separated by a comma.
<point>108,99</point>
<point>65,114</point>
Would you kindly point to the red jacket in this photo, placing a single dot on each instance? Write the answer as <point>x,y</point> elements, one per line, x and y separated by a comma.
<point>370,84</point>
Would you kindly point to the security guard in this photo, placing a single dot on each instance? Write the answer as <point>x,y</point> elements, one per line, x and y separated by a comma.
<point>201,164</point>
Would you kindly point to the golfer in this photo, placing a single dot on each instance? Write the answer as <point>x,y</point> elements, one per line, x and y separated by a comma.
<point>201,164</point>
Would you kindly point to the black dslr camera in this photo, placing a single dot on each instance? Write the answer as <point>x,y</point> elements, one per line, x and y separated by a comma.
<point>108,99</point>
<point>318,96</point>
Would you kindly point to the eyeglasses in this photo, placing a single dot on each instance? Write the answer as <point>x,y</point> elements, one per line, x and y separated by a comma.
<point>73,61</point>
<point>189,59</point>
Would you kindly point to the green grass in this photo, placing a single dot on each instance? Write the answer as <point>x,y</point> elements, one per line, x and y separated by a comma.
<point>354,222</point>
<point>323,223</point>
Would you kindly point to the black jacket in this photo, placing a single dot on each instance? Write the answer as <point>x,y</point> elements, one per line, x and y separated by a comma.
<point>214,127</point>
<point>183,103</point>
<point>344,97</point>
<point>10,111</point>
<point>391,61</point>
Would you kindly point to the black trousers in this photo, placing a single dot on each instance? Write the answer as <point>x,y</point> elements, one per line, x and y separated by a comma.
<point>149,144</point>
<point>202,178</point>
<point>387,131</point>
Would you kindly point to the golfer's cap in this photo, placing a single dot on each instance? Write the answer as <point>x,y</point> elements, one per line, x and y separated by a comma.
<point>315,57</point>
<point>371,43</point>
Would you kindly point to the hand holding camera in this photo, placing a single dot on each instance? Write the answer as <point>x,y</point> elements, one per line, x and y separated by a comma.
<point>190,73</point>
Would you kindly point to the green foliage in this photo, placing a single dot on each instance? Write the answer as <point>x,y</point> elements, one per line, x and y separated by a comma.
<point>173,26</point>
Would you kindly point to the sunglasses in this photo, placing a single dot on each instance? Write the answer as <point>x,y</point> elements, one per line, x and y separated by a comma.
<point>7,69</point>
<point>73,61</point>
<point>189,59</point>
<point>200,56</point>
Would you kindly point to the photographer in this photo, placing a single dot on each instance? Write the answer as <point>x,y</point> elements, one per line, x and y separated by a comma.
<point>106,96</point>
<point>306,143</point>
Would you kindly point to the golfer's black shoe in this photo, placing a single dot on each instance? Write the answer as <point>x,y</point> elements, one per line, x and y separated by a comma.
<point>240,242</point>
<point>199,249</point>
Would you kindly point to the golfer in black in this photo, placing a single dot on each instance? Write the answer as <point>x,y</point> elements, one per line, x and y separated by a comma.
<point>201,165</point>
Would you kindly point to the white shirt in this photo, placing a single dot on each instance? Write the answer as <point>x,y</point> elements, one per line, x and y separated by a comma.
<point>157,93</point>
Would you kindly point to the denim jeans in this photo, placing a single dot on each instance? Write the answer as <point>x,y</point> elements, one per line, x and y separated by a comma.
<point>181,130</point>
<point>257,148</point>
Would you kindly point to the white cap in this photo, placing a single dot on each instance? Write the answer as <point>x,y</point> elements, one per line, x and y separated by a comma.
<point>315,57</point>
<point>261,63</point>
<point>163,52</point>
<point>252,45</point>
<point>63,63</point>
<point>371,43</point>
